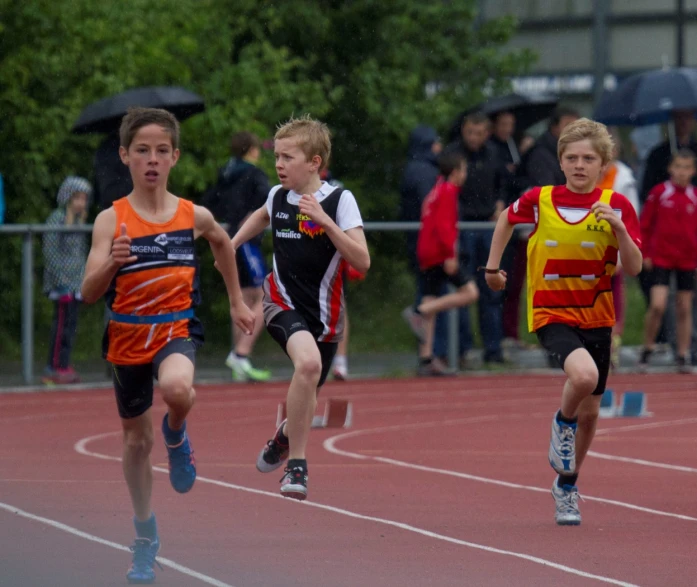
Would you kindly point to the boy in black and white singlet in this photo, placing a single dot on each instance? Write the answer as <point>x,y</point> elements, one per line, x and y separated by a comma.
<point>317,229</point>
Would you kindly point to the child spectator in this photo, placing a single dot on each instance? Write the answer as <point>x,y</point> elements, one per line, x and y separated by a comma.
<point>669,231</point>
<point>65,255</point>
<point>437,254</point>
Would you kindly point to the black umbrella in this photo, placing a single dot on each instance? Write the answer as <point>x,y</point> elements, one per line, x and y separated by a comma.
<point>527,109</point>
<point>649,97</point>
<point>105,115</point>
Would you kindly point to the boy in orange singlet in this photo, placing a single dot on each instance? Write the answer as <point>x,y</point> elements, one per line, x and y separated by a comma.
<point>143,260</point>
<point>579,230</point>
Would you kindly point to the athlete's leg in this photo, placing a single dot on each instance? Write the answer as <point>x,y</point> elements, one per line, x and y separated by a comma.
<point>137,445</point>
<point>301,401</point>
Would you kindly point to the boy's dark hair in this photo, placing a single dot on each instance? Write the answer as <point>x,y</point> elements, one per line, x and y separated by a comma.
<point>242,142</point>
<point>137,118</point>
<point>449,162</point>
<point>684,153</point>
<point>560,112</point>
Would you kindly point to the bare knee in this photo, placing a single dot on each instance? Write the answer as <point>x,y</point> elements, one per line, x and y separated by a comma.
<point>585,380</point>
<point>177,392</point>
<point>309,367</point>
<point>138,443</point>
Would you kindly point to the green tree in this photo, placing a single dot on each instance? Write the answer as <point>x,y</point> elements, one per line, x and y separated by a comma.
<point>371,69</point>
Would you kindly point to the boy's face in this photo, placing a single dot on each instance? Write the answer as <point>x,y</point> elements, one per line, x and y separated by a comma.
<point>582,166</point>
<point>681,171</point>
<point>150,157</point>
<point>293,169</point>
<point>78,203</point>
<point>459,175</point>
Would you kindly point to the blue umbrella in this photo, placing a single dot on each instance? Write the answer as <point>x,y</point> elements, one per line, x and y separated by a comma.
<point>649,97</point>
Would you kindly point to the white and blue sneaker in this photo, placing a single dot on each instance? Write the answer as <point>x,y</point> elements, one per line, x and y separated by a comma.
<point>566,503</point>
<point>562,447</point>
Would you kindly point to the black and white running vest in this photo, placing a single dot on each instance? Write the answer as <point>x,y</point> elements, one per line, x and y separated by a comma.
<point>307,271</point>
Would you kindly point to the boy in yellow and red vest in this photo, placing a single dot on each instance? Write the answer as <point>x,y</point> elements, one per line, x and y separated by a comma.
<point>572,253</point>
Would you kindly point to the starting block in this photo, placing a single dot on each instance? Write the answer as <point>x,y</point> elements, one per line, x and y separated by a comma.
<point>608,405</point>
<point>632,404</point>
<point>338,413</point>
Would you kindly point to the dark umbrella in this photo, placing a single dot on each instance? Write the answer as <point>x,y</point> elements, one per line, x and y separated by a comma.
<point>649,97</point>
<point>527,109</point>
<point>105,115</point>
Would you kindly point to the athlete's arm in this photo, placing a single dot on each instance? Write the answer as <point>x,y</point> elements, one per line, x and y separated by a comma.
<point>206,226</point>
<point>351,243</point>
<point>502,234</point>
<point>632,259</point>
<point>106,256</point>
<point>255,223</point>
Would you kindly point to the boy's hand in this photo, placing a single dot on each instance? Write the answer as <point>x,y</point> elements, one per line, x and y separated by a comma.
<point>121,248</point>
<point>311,207</point>
<point>496,281</point>
<point>648,264</point>
<point>603,211</point>
<point>242,316</point>
<point>450,266</point>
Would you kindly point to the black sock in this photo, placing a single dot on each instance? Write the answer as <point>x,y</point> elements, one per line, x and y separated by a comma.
<point>147,529</point>
<point>562,418</point>
<point>425,360</point>
<point>240,356</point>
<point>567,480</point>
<point>297,463</point>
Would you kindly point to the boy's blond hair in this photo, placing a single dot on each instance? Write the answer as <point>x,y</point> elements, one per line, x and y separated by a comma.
<point>585,129</point>
<point>313,137</point>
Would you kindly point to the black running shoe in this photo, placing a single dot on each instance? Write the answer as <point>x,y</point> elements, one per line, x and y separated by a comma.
<point>294,483</point>
<point>273,454</point>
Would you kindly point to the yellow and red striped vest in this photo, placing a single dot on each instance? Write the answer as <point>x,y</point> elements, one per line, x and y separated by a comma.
<point>569,268</point>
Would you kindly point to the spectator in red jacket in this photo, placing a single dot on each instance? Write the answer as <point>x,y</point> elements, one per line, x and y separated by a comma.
<point>669,233</point>
<point>437,255</point>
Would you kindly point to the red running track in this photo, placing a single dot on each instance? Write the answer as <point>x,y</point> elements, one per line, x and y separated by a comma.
<point>439,482</point>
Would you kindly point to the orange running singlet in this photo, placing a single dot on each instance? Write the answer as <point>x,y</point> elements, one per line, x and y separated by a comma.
<point>162,282</point>
<point>569,268</point>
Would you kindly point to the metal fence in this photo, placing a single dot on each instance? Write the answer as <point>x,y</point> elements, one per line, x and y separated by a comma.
<point>28,231</point>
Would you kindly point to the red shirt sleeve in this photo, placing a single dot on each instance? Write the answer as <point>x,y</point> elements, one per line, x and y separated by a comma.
<point>629,217</point>
<point>522,211</point>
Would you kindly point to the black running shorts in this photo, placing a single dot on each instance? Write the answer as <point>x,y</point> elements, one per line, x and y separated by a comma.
<point>560,340</point>
<point>286,323</point>
<point>133,384</point>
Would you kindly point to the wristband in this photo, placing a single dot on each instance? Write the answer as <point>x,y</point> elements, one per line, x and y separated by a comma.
<point>487,270</point>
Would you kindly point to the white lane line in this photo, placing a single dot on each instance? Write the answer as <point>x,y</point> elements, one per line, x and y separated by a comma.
<point>643,462</point>
<point>647,426</point>
<point>81,447</point>
<point>92,538</point>
<point>330,446</point>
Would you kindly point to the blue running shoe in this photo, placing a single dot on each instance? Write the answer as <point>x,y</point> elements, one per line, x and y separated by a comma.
<point>182,466</point>
<point>142,571</point>
<point>562,447</point>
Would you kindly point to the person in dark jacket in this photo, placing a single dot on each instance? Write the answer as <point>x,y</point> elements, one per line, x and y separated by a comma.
<point>419,177</point>
<point>482,199</point>
<point>241,189</point>
<point>541,165</point>
<point>112,180</point>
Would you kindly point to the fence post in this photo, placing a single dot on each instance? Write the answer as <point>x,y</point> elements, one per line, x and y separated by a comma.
<point>28,307</point>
